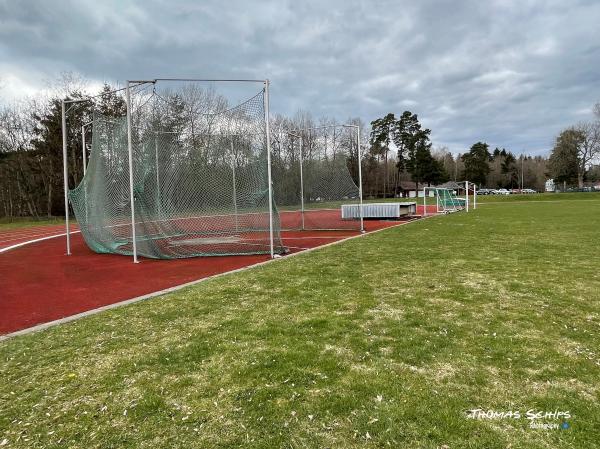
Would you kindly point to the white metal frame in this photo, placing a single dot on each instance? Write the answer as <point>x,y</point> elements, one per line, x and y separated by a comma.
<point>64,112</point>
<point>358,149</point>
<point>127,89</point>
<point>83,148</point>
<point>360,181</point>
<point>466,199</point>
<point>130,156</point>
<point>299,137</point>
<point>65,174</point>
<point>270,177</point>
<point>468,185</point>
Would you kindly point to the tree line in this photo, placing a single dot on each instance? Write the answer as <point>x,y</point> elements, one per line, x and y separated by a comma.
<point>575,153</point>
<point>31,162</point>
<point>396,150</point>
<point>573,160</point>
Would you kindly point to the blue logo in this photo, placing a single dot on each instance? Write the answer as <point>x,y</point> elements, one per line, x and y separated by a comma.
<point>565,425</point>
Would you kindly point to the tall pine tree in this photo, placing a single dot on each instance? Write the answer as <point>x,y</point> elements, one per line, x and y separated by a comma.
<point>477,163</point>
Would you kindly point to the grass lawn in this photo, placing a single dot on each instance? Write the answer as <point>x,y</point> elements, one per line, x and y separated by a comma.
<point>26,222</point>
<point>553,197</point>
<point>382,341</point>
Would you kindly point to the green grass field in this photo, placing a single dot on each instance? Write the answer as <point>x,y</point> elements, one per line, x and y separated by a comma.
<point>26,222</point>
<point>382,341</point>
<point>552,197</point>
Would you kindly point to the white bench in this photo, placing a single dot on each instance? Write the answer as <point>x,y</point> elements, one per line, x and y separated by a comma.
<point>378,210</point>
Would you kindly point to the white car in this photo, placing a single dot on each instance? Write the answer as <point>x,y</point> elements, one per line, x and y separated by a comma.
<point>502,192</point>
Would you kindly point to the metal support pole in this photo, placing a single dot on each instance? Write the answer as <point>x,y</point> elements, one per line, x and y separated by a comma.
<point>83,148</point>
<point>360,183</point>
<point>268,137</point>
<point>65,176</point>
<point>235,209</point>
<point>301,183</point>
<point>467,195</point>
<point>158,195</point>
<point>130,151</point>
<point>474,196</point>
<point>424,201</point>
<point>84,157</point>
<point>522,173</point>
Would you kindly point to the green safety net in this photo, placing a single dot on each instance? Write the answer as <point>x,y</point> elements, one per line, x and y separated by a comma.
<point>200,179</point>
<point>312,179</point>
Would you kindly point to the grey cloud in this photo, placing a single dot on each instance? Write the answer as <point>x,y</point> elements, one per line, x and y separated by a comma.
<point>512,73</point>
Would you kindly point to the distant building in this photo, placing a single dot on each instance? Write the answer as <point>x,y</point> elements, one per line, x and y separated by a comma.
<point>550,187</point>
<point>407,189</point>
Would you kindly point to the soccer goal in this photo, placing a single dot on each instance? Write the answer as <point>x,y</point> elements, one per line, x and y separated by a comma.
<point>315,171</point>
<point>185,173</point>
<point>447,200</point>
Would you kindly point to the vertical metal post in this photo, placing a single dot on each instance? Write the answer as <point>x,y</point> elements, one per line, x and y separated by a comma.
<point>467,195</point>
<point>233,163</point>
<point>301,182</point>
<point>84,156</point>
<point>130,151</point>
<point>268,137</point>
<point>424,201</point>
<point>158,195</point>
<point>522,173</point>
<point>474,196</point>
<point>65,176</point>
<point>360,183</point>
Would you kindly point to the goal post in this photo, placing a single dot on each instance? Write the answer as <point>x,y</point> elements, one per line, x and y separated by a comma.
<point>446,200</point>
<point>470,186</point>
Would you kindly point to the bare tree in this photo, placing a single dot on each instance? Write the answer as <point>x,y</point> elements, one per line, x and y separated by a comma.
<point>588,148</point>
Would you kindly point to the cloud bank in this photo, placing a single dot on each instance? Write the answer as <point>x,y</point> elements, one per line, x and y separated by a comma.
<point>512,73</point>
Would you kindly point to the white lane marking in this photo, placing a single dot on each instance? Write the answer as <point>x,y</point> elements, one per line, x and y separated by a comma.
<point>18,245</point>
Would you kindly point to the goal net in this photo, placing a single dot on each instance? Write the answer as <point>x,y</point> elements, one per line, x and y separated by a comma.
<point>446,200</point>
<point>312,177</point>
<point>200,177</point>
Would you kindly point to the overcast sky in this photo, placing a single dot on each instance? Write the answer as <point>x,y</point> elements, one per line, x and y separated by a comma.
<point>511,73</point>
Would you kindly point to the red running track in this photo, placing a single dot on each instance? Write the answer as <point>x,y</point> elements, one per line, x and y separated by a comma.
<point>12,237</point>
<point>39,283</point>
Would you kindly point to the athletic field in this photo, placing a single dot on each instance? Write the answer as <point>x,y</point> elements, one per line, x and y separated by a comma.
<point>391,340</point>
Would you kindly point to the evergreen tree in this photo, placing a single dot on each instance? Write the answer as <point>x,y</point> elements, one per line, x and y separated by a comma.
<point>509,168</point>
<point>414,147</point>
<point>477,163</point>
<point>381,136</point>
<point>563,161</point>
<point>110,103</point>
<point>47,145</point>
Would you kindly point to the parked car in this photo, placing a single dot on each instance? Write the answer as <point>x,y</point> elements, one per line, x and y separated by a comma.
<point>528,191</point>
<point>502,192</point>
<point>484,192</point>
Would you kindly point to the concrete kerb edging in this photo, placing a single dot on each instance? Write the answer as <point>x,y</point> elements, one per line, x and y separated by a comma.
<point>43,326</point>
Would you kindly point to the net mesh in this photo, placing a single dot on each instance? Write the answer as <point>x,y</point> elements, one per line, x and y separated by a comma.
<point>311,177</point>
<point>447,201</point>
<point>200,178</point>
